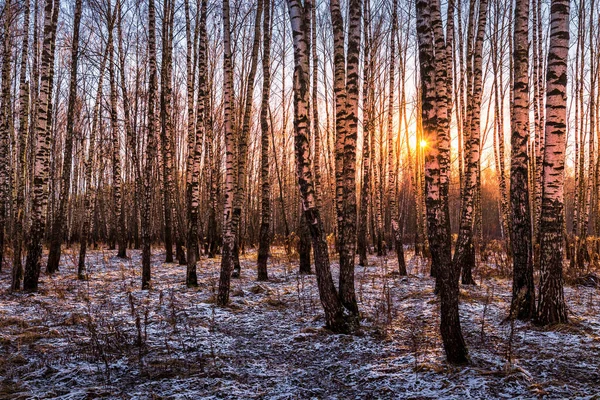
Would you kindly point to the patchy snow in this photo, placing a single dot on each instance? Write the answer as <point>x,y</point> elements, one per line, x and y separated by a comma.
<point>106,338</point>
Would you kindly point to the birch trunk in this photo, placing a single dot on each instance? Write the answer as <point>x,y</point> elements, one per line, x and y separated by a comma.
<point>392,168</point>
<point>190,67</point>
<point>264,235</point>
<point>538,78</point>
<point>523,296</point>
<point>346,128</point>
<point>434,109</point>
<point>130,130</point>
<point>243,140</point>
<point>368,112</point>
<point>88,205</point>
<point>17,268</point>
<point>464,254</point>
<point>5,121</point>
<point>316,133</point>
<point>583,254</point>
<point>166,136</point>
<point>58,225</point>
<point>551,307</point>
<point>117,184</point>
<point>194,188</point>
<point>150,146</point>
<point>42,154</point>
<point>335,317</point>
<point>229,230</point>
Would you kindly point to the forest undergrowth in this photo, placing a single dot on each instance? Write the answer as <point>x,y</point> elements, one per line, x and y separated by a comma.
<point>106,338</point>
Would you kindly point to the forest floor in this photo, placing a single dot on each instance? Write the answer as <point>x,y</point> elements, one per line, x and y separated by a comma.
<point>106,338</point>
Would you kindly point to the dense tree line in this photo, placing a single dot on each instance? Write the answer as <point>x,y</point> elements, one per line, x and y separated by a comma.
<point>379,126</point>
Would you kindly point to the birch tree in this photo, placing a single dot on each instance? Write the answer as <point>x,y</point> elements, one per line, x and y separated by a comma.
<point>367,127</point>
<point>39,200</point>
<point>150,146</point>
<point>88,204</point>
<point>58,225</point>
<point>194,184</point>
<point>335,315</point>
<point>551,307</point>
<point>243,142</point>
<point>5,120</point>
<point>464,254</point>
<point>434,113</point>
<point>166,122</point>
<point>230,160</point>
<point>117,185</point>
<point>523,301</point>
<point>265,214</point>
<point>392,168</point>
<point>346,128</point>
<point>17,267</point>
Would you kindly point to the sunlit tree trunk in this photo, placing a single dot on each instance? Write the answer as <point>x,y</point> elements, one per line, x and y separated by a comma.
<point>434,108</point>
<point>117,185</point>
<point>214,182</point>
<point>523,300</point>
<point>582,251</point>
<point>464,253</point>
<point>58,225</point>
<point>538,103</point>
<point>194,188</point>
<point>346,128</point>
<point>377,193</point>
<point>171,106</point>
<point>593,170</point>
<point>316,132</point>
<point>421,241</point>
<point>42,155</point>
<point>334,312</point>
<point>150,146</point>
<point>551,306</point>
<point>594,119</point>
<point>5,120</point>
<point>88,206</point>
<point>578,126</point>
<point>278,168</point>
<point>368,94</point>
<point>498,51</point>
<point>243,141</point>
<point>392,168</point>
<point>230,262</point>
<point>17,267</point>
<point>214,164</point>
<point>190,67</point>
<point>166,132</point>
<point>130,131</point>
<point>458,76</point>
<point>403,188</point>
<point>229,230</point>
<point>304,240</point>
<point>265,211</point>
<point>34,96</point>
<point>51,128</point>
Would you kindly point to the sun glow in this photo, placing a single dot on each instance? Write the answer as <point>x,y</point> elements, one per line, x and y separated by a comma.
<point>423,143</point>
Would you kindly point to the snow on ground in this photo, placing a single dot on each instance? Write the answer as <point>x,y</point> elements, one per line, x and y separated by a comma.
<point>106,338</point>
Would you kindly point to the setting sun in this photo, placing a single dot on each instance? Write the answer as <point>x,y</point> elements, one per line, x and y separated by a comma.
<point>423,143</point>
